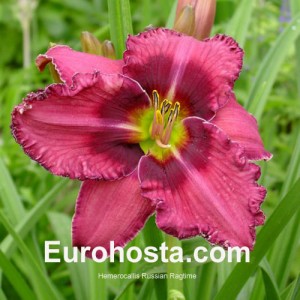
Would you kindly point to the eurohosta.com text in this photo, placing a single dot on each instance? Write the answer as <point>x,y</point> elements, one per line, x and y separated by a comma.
<point>54,251</point>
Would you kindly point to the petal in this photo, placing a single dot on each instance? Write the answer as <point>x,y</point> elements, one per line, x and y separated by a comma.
<point>208,188</point>
<point>68,62</point>
<point>109,211</point>
<point>198,74</point>
<point>84,131</point>
<point>241,127</point>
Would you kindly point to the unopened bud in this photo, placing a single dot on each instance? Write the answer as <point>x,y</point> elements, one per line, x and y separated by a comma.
<point>204,15</point>
<point>186,20</point>
<point>90,44</point>
<point>54,74</point>
<point>108,50</point>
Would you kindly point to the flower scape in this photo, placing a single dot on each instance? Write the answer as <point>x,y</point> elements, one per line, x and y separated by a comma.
<point>159,131</point>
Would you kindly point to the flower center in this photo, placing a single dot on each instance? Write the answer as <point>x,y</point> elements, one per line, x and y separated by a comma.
<point>163,120</point>
<point>160,130</point>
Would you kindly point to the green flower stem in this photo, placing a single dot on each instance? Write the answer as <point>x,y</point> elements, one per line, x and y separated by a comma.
<point>26,44</point>
<point>176,268</point>
<point>120,23</point>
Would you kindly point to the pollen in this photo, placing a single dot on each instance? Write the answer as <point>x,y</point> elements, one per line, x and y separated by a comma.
<point>164,118</point>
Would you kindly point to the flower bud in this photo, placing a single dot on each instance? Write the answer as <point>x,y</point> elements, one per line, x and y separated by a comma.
<point>108,50</point>
<point>90,44</point>
<point>54,74</point>
<point>186,20</point>
<point>204,15</point>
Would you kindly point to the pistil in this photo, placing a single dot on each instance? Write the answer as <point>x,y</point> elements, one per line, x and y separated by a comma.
<point>161,125</point>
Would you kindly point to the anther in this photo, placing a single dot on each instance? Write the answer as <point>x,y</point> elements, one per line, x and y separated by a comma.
<point>155,99</point>
<point>165,106</point>
<point>159,117</point>
<point>176,109</point>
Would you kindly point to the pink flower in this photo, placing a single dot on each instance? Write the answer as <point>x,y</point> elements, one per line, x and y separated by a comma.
<point>187,157</point>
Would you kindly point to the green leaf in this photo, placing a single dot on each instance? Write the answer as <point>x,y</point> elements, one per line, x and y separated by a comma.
<point>281,216</point>
<point>239,24</point>
<point>293,171</point>
<point>296,292</point>
<point>271,287</point>
<point>295,9</point>
<point>9,195</point>
<point>146,292</point>
<point>120,23</point>
<point>97,286</point>
<point>28,221</point>
<point>269,68</point>
<point>15,278</point>
<point>2,295</point>
<point>295,5</point>
<point>288,291</point>
<point>171,18</point>
<point>61,225</point>
<point>47,290</point>
<point>143,268</point>
<point>286,246</point>
<point>207,280</point>
<point>153,237</point>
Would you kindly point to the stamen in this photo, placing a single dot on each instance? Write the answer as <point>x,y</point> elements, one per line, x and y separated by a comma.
<point>161,131</point>
<point>170,116</point>
<point>176,110</point>
<point>160,123</point>
<point>155,99</point>
<point>159,117</point>
<point>165,106</point>
<point>171,121</point>
<point>160,144</point>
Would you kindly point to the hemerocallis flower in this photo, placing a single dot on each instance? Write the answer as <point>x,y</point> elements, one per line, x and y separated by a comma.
<point>158,131</point>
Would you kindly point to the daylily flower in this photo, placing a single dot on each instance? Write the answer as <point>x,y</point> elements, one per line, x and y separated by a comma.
<point>158,131</point>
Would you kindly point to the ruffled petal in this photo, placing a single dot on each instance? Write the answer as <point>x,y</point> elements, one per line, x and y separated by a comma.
<point>241,127</point>
<point>109,211</point>
<point>198,74</point>
<point>83,131</point>
<point>68,62</point>
<point>207,188</point>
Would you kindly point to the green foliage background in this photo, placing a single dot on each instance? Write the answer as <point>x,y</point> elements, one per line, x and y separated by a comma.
<point>36,206</point>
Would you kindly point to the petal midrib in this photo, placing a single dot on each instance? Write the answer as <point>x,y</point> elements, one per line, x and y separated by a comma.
<point>94,125</point>
<point>215,207</point>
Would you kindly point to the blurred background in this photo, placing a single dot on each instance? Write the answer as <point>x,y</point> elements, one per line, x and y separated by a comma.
<point>37,206</point>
